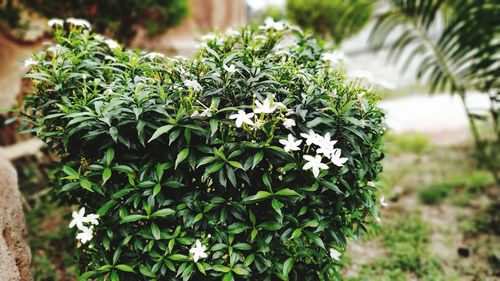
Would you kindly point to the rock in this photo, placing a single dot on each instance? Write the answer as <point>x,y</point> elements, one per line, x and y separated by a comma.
<point>15,255</point>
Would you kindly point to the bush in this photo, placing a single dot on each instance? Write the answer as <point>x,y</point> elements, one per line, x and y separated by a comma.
<point>193,166</point>
<point>339,19</point>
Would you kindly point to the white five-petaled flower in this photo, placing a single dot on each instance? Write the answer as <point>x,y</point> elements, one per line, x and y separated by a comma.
<point>198,251</point>
<point>92,219</point>
<point>112,44</point>
<point>29,62</point>
<point>54,22</point>
<point>79,22</point>
<point>193,85</point>
<point>382,201</point>
<point>336,159</point>
<point>230,69</point>
<point>314,164</point>
<point>269,23</point>
<point>86,235</point>
<point>78,219</point>
<point>291,144</point>
<point>334,57</point>
<point>289,123</point>
<point>334,254</point>
<point>242,118</point>
<point>311,137</point>
<point>264,107</point>
<point>154,55</point>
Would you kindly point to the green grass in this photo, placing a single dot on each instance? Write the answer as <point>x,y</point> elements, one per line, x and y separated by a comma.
<point>407,143</point>
<point>405,242</point>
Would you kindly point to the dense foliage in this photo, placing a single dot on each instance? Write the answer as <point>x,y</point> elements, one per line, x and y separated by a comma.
<point>119,18</point>
<point>338,19</point>
<point>197,169</point>
<point>454,44</point>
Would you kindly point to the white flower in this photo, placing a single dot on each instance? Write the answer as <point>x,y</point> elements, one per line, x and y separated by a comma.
<point>232,32</point>
<point>230,69</point>
<point>53,22</point>
<point>79,22</point>
<point>291,144</point>
<point>78,219</point>
<point>382,201</point>
<point>314,164</point>
<point>99,37</point>
<point>334,57</point>
<point>56,50</point>
<point>370,184</point>
<point>326,146</point>
<point>264,107</point>
<point>29,62</point>
<point>311,138</point>
<point>193,85</point>
<point>269,23</point>
<point>289,123</point>
<point>92,219</point>
<point>208,36</point>
<point>198,251</point>
<point>279,105</point>
<point>242,117</point>
<point>86,235</point>
<point>334,254</point>
<point>112,44</point>
<point>207,112</point>
<point>259,123</point>
<point>336,159</point>
<point>154,55</point>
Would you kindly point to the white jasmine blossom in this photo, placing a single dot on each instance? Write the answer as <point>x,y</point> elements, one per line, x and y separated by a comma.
<point>29,62</point>
<point>334,57</point>
<point>242,118</point>
<point>92,219</point>
<point>56,50</point>
<point>54,22</point>
<point>230,69</point>
<point>112,44</point>
<point>336,159</point>
<point>207,112</point>
<point>78,22</point>
<point>198,251</point>
<point>193,85</point>
<point>269,23</point>
<point>311,137</point>
<point>289,123</point>
<point>314,164</point>
<point>78,219</point>
<point>86,235</point>
<point>382,201</point>
<point>264,107</point>
<point>291,144</point>
<point>334,254</point>
<point>232,32</point>
<point>154,55</point>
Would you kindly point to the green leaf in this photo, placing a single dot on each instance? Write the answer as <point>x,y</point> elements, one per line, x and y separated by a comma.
<point>160,131</point>
<point>296,233</point>
<point>110,155</point>
<point>287,266</point>
<point>181,156</point>
<point>105,208</point>
<point>240,271</point>
<point>85,183</point>
<point>257,158</point>
<point>221,268</point>
<point>156,189</point>
<point>124,268</point>
<point>201,268</point>
<point>228,277</point>
<point>277,205</point>
<point>106,175</point>
<point>287,192</point>
<point>70,172</point>
<point>132,218</point>
<point>87,275</point>
<point>163,213</point>
<point>113,132</point>
<point>123,169</point>
<point>177,257</point>
<point>198,217</point>
<point>155,230</point>
<point>260,195</point>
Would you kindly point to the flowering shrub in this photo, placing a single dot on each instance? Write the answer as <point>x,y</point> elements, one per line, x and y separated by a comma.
<point>252,161</point>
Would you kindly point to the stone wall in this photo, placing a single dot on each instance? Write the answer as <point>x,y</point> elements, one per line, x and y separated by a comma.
<point>15,255</point>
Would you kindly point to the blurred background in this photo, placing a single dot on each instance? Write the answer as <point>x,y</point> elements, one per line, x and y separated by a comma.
<point>434,63</point>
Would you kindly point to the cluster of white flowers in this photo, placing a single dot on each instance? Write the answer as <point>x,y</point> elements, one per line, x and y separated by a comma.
<point>78,22</point>
<point>265,107</point>
<point>269,23</point>
<point>85,224</point>
<point>324,147</point>
<point>334,58</point>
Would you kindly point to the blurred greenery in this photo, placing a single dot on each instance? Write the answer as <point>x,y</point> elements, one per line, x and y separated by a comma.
<point>113,17</point>
<point>338,19</point>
